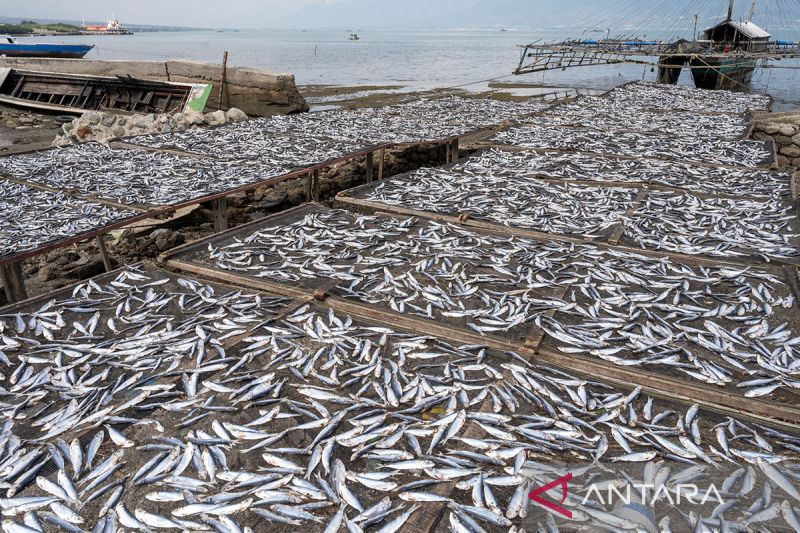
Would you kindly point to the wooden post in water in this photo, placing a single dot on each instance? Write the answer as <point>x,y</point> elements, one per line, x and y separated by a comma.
<point>454,151</point>
<point>224,78</point>
<point>370,163</point>
<point>220,214</point>
<point>104,253</point>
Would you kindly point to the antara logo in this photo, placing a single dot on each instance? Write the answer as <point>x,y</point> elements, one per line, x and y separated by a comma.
<point>536,495</point>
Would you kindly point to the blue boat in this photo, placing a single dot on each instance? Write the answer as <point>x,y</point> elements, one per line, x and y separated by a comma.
<point>11,48</point>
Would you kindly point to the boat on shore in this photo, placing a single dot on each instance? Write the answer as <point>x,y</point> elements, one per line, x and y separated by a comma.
<point>9,47</point>
<point>76,94</point>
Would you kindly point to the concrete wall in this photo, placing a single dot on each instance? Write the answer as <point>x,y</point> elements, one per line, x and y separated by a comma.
<point>256,92</point>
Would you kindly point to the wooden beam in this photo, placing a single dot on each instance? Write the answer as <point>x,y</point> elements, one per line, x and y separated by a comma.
<point>309,186</point>
<point>224,78</point>
<point>101,244</point>
<point>315,185</point>
<point>381,157</point>
<point>369,166</point>
<point>220,214</point>
<point>13,282</point>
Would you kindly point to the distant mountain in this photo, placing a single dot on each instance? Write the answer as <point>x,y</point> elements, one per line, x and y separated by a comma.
<point>444,14</point>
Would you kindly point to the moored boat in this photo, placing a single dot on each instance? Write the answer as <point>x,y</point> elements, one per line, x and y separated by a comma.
<point>9,47</point>
<point>728,71</point>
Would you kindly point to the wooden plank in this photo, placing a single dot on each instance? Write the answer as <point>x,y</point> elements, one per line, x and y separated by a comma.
<point>14,282</point>
<point>5,278</point>
<point>381,158</point>
<point>309,187</point>
<point>220,206</point>
<point>315,187</point>
<point>679,390</point>
<point>369,166</point>
<point>635,204</point>
<point>101,244</point>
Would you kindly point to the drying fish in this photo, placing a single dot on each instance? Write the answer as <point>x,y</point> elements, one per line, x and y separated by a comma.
<point>720,326</point>
<point>751,154</point>
<point>32,218</point>
<point>603,168</point>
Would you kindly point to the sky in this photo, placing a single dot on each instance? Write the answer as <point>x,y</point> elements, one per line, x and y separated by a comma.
<point>379,14</point>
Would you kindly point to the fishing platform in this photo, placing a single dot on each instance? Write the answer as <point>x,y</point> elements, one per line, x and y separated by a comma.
<point>724,57</point>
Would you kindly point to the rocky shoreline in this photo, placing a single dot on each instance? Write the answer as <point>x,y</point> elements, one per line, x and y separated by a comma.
<point>104,127</point>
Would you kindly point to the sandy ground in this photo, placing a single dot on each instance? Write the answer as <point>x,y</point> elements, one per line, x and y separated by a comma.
<point>23,131</point>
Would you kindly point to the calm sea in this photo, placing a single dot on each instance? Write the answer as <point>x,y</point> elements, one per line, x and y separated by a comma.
<point>414,60</point>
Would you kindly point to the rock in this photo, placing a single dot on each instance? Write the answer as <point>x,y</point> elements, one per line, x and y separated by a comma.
<point>12,124</point>
<point>108,120</point>
<point>163,245</point>
<point>119,132</point>
<point>259,193</point>
<point>92,119</point>
<point>193,118</point>
<point>274,199</point>
<point>237,199</point>
<point>236,115</point>
<point>770,129</point>
<point>783,140</point>
<point>796,139</point>
<point>217,118</point>
<point>796,162</point>
<point>161,233</point>
<point>790,151</point>
<point>27,121</point>
<point>84,132</point>
<point>788,130</point>
<point>761,136</point>
<point>47,273</point>
<point>783,161</point>
<point>121,121</point>
<point>68,127</point>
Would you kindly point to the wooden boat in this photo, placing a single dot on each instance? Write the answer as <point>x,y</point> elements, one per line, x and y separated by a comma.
<point>9,47</point>
<point>729,37</point>
<point>71,93</point>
